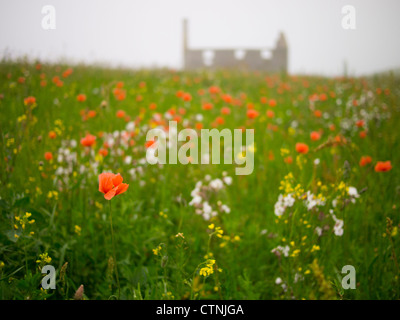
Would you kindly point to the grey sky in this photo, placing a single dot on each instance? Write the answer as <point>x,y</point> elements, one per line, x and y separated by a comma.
<point>149,32</point>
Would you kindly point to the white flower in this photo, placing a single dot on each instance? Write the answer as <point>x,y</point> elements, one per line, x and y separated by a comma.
<point>199,184</point>
<point>216,184</point>
<point>353,193</point>
<point>278,281</point>
<point>196,200</point>
<point>288,201</point>
<point>206,216</point>
<point>128,160</point>
<point>130,126</point>
<point>225,208</point>
<point>281,250</point>
<point>338,228</point>
<point>312,201</point>
<point>228,180</point>
<point>206,208</point>
<point>283,203</point>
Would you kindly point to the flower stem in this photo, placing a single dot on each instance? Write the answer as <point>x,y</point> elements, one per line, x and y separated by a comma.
<point>114,255</point>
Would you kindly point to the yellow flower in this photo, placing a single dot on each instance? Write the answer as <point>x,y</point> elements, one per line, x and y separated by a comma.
<point>295,253</point>
<point>157,250</point>
<point>315,248</point>
<point>208,269</point>
<point>78,230</point>
<point>44,259</point>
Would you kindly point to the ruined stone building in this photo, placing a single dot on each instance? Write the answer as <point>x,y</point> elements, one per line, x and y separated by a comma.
<point>247,59</point>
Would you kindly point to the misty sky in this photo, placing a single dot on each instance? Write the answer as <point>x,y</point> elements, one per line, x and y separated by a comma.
<point>149,32</point>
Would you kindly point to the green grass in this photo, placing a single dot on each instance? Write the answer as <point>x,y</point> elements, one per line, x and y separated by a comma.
<point>248,268</point>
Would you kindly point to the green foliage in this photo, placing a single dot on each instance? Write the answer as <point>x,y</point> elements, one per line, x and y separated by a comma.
<point>161,243</point>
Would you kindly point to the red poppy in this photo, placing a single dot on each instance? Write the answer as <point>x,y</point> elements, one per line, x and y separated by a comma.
<point>323,97</point>
<point>81,97</point>
<point>111,185</point>
<point>382,166</point>
<point>142,84</point>
<point>149,143</point>
<point>220,120</point>
<point>272,103</point>
<point>120,114</point>
<point>91,113</point>
<point>227,98</point>
<point>301,148</point>
<point>270,114</point>
<point>52,135</point>
<point>288,160</point>
<point>263,100</point>
<point>225,110</point>
<point>67,73</point>
<point>187,97</point>
<point>251,114</point>
<point>207,106</point>
<point>360,123</point>
<point>363,134</point>
<point>365,160</point>
<point>88,141</point>
<point>315,136</point>
<point>48,156</point>
<point>214,89</point>
<point>119,85</point>
<point>103,152</point>
<point>29,100</point>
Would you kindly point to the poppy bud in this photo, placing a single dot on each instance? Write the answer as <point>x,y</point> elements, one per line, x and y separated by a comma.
<point>79,293</point>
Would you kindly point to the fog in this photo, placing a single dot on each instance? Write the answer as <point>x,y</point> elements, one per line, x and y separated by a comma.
<point>149,33</point>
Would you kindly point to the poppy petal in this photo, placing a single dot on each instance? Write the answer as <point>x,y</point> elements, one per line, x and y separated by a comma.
<point>121,188</point>
<point>105,182</point>
<point>110,194</point>
<point>117,180</point>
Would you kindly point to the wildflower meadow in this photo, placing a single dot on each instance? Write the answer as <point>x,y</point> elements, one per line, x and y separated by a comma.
<point>88,213</point>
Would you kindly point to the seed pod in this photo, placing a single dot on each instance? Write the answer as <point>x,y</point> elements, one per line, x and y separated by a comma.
<point>164,261</point>
<point>79,293</point>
